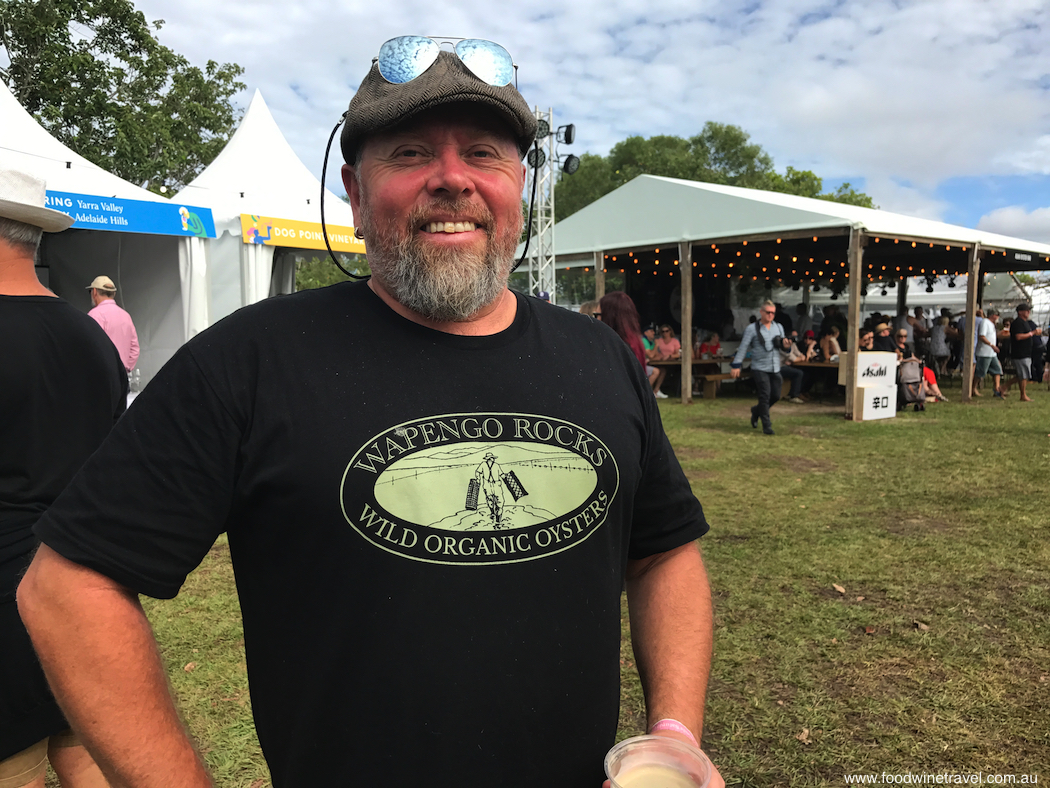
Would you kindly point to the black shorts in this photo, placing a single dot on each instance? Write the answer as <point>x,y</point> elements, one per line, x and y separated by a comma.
<point>28,711</point>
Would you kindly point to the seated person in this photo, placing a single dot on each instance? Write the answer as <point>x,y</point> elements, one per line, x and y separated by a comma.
<point>667,344</point>
<point>711,345</point>
<point>883,340</point>
<point>829,345</point>
<point>809,345</point>
<point>929,383</point>
<point>649,346</point>
<point>649,340</point>
<point>905,349</point>
<point>867,340</point>
<point>790,355</point>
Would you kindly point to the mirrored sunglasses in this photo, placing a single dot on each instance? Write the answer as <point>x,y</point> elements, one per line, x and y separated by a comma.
<point>405,58</point>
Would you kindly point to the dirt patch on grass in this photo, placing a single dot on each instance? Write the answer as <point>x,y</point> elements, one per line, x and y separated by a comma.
<point>687,453</point>
<point>699,476</point>
<point>804,464</point>
<point>916,525</point>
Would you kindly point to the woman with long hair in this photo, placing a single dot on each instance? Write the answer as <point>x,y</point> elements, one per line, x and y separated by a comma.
<point>621,315</point>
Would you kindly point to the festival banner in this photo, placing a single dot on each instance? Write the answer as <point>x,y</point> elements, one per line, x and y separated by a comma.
<point>271,231</point>
<point>115,214</point>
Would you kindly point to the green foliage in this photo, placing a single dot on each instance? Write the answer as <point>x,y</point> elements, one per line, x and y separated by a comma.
<point>322,272</point>
<point>721,153</point>
<point>93,73</point>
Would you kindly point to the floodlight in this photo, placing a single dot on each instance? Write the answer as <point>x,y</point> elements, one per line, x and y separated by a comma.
<point>572,163</point>
<point>567,134</point>
<point>543,129</point>
<point>536,158</point>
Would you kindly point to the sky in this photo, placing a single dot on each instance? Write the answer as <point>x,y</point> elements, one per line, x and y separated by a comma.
<point>936,108</point>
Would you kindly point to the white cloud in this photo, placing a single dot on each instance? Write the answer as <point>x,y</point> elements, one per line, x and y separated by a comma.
<point>1016,221</point>
<point>894,91</point>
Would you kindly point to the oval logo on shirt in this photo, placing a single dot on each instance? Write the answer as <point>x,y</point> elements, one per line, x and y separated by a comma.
<point>479,488</point>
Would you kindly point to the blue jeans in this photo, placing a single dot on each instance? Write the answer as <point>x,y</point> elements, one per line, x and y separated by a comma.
<point>795,375</point>
<point>768,385</point>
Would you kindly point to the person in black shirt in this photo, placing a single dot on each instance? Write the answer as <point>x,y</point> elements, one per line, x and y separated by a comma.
<point>396,628</point>
<point>883,341</point>
<point>1022,331</point>
<point>62,386</point>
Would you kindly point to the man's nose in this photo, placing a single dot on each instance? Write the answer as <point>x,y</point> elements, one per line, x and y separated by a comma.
<point>451,176</point>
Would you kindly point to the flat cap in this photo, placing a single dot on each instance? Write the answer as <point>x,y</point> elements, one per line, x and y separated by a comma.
<point>380,105</point>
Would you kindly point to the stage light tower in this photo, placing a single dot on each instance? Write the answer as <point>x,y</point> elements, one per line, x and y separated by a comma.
<point>542,160</point>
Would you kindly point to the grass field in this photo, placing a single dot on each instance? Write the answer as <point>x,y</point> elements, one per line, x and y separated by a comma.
<point>882,598</point>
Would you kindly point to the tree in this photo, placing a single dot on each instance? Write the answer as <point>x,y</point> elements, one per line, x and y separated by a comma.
<point>720,153</point>
<point>93,74</point>
<point>322,272</point>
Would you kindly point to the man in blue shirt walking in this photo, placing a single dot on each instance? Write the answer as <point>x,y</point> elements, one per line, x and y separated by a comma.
<point>764,339</point>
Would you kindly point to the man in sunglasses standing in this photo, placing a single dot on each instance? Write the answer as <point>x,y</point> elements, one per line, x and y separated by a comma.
<point>394,631</point>
<point>765,339</point>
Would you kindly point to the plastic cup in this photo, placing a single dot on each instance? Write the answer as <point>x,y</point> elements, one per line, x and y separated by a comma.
<point>657,762</point>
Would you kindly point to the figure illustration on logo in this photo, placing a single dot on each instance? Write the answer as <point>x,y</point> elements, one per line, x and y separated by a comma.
<point>404,489</point>
<point>254,236</point>
<point>489,481</point>
<point>192,223</point>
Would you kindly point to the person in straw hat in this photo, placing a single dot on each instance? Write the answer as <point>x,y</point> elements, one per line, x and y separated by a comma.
<point>114,320</point>
<point>62,387</point>
<point>392,637</point>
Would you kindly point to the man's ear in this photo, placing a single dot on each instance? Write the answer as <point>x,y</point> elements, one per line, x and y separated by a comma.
<point>353,191</point>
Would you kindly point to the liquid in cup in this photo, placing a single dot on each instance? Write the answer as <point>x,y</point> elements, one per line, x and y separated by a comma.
<point>657,762</point>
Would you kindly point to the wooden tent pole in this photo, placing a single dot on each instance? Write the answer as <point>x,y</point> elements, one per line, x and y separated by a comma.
<point>857,240</point>
<point>599,275</point>
<point>685,269</point>
<point>972,276</point>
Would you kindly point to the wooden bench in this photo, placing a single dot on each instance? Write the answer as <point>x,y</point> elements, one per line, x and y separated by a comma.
<point>710,381</point>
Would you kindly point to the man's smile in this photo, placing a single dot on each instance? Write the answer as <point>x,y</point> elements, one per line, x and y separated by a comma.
<point>448,227</point>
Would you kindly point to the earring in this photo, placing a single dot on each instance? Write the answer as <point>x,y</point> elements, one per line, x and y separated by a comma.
<point>359,234</point>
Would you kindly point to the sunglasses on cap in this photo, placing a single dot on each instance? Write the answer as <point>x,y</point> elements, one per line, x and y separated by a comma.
<point>405,58</point>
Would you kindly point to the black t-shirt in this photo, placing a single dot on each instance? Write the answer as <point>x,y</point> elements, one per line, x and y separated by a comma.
<point>885,344</point>
<point>429,531</point>
<point>61,388</point>
<point>1021,348</point>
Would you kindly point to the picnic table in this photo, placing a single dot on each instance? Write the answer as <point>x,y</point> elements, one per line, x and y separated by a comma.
<point>706,370</point>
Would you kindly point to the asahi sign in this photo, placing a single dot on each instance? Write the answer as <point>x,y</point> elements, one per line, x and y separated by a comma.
<point>876,369</point>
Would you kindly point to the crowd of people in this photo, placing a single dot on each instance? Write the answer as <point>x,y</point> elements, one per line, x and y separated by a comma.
<point>1010,351</point>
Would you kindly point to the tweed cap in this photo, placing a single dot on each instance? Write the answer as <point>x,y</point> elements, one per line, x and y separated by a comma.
<point>380,105</point>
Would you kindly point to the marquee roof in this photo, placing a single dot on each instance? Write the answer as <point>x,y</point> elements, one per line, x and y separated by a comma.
<point>258,173</point>
<point>27,146</point>
<point>651,211</point>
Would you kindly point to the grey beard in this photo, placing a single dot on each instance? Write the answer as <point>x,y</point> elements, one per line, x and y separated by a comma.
<point>441,284</point>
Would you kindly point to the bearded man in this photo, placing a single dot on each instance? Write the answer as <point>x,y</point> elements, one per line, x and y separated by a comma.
<point>393,638</point>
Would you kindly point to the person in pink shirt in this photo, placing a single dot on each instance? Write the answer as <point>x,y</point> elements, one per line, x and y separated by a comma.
<point>667,344</point>
<point>114,320</point>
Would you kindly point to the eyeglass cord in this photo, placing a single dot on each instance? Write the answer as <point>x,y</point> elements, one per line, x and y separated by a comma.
<point>324,227</point>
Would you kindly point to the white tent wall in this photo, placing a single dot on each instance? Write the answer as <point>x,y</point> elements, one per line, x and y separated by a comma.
<point>224,276</point>
<point>256,271</point>
<point>282,281</point>
<point>257,174</point>
<point>193,276</point>
<point>146,270</point>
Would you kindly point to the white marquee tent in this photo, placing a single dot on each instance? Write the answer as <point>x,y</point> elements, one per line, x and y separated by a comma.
<point>160,272</point>
<point>258,182</point>
<point>765,239</point>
